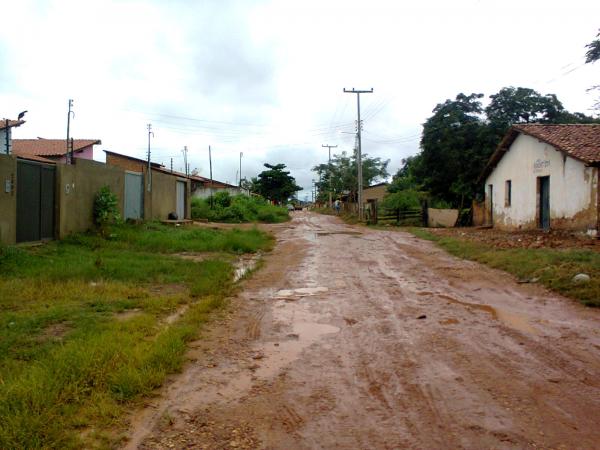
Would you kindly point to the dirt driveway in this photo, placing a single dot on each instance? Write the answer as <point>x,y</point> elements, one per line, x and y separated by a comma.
<point>353,338</point>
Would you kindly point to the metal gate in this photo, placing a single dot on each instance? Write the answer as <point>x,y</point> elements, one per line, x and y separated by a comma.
<point>181,200</point>
<point>35,201</point>
<point>134,191</point>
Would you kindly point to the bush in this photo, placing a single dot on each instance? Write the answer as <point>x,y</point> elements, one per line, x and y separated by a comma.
<point>238,209</point>
<point>402,200</point>
<point>106,209</point>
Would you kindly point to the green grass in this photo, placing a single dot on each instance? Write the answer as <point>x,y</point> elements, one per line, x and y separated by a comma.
<point>554,268</point>
<point>71,358</point>
<point>238,209</point>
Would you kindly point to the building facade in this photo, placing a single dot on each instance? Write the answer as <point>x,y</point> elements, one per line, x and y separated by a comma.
<point>545,176</point>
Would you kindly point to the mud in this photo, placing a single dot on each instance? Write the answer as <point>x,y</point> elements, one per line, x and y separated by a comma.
<point>323,348</point>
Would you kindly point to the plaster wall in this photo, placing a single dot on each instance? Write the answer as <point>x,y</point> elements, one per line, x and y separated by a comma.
<point>164,196</point>
<point>441,218</point>
<point>76,188</point>
<point>86,153</point>
<point>207,191</point>
<point>8,200</point>
<point>573,187</point>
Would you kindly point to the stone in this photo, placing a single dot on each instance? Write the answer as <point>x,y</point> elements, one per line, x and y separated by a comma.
<point>581,278</point>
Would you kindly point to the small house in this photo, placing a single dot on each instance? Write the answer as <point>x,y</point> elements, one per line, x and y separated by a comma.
<point>545,176</point>
<point>54,149</point>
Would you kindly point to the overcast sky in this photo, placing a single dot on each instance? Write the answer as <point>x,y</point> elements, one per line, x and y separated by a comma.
<point>266,77</point>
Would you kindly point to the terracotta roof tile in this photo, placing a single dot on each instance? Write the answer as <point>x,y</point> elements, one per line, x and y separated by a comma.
<point>49,147</point>
<point>579,141</point>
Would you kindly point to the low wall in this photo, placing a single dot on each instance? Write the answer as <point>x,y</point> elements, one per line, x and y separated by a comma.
<point>8,200</point>
<point>441,218</point>
<point>77,186</point>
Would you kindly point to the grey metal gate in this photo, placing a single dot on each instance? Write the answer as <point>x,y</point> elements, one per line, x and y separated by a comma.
<point>181,200</point>
<point>35,201</point>
<point>134,190</point>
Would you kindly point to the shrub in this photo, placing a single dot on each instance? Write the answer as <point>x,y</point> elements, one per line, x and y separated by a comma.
<point>106,209</point>
<point>402,200</point>
<point>238,209</point>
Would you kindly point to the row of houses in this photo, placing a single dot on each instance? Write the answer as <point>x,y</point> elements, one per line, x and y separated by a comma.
<point>43,197</point>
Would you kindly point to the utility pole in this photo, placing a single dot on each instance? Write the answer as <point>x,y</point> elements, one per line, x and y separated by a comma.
<point>329,147</point>
<point>211,180</point>
<point>171,165</point>
<point>7,135</point>
<point>185,163</point>
<point>359,153</point>
<point>69,141</point>
<point>150,133</point>
<point>241,154</point>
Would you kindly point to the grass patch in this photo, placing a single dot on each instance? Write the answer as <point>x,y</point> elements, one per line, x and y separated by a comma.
<point>71,359</point>
<point>554,268</point>
<point>238,209</point>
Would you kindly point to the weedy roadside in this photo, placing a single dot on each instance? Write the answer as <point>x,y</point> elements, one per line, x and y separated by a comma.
<point>85,329</point>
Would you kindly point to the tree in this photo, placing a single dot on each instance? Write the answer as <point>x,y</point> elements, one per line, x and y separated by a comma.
<point>454,147</point>
<point>276,184</point>
<point>593,53</point>
<point>341,175</point>
<point>591,56</point>
<point>521,105</point>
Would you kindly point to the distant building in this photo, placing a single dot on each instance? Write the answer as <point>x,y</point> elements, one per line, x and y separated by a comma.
<point>545,176</point>
<point>54,150</point>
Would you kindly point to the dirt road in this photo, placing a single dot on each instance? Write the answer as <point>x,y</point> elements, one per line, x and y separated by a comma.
<point>352,338</point>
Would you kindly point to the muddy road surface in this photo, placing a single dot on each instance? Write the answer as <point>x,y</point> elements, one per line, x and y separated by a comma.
<point>350,338</point>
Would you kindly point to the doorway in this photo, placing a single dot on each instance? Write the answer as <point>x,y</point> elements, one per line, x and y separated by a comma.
<point>544,202</point>
<point>35,201</point>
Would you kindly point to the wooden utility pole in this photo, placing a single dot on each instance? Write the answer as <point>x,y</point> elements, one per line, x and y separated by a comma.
<point>359,152</point>
<point>329,147</point>
<point>211,179</point>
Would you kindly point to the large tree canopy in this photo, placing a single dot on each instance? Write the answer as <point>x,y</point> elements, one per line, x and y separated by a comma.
<point>593,53</point>
<point>340,175</point>
<point>276,184</point>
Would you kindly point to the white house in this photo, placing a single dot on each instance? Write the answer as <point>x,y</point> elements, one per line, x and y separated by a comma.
<point>545,176</point>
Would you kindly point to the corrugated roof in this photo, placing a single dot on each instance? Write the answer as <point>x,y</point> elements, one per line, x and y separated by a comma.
<point>580,141</point>
<point>49,147</point>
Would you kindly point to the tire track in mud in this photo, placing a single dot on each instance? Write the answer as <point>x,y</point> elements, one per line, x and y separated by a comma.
<point>346,362</point>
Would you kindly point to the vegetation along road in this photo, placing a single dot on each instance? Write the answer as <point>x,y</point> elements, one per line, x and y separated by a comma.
<point>351,337</point>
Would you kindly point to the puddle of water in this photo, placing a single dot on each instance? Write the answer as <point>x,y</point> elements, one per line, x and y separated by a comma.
<point>278,356</point>
<point>516,321</point>
<point>301,292</point>
<point>245,265</point>
<point>348,233</point>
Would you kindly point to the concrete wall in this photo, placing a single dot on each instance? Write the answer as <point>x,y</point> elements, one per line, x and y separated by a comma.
<point>207,191</point>
<point>441,218</point>
<point>164,196</point>
<point>8,200</point>
<point>573,188</point>
<point>76,188</point>
<point>125,163</point>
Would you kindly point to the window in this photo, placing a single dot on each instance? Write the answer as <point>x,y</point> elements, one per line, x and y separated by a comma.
<point>508,193</point>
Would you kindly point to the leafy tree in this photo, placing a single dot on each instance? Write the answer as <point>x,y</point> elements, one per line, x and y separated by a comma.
<point>591,56</point>
<point>593,53</point>
<point>405,178</point>
<point>454,147</point>
<point>341,175</point>
<point>276,184</point>
<point>522,105</point>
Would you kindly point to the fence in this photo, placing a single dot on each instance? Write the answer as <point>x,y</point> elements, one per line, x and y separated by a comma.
<point>414,216</point>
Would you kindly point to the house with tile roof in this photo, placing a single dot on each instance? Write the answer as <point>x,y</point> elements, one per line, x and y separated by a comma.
<point>545,176</point>
<point>54,150</point>
<point>6,140</point>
